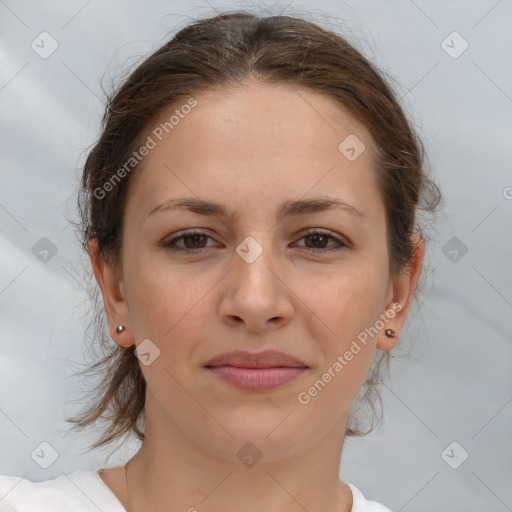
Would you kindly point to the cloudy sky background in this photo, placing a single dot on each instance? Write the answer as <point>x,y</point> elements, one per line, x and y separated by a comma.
<point>456,384</point>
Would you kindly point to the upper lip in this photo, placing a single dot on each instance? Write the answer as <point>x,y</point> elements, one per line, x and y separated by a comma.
<point>265,359</point>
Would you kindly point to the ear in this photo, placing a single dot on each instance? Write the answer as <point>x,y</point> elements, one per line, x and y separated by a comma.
<point>402,292</point>
<point>114,299</point>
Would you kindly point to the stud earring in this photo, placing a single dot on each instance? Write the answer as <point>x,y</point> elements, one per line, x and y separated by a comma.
<point>390,333</point>
<point>120,328</point>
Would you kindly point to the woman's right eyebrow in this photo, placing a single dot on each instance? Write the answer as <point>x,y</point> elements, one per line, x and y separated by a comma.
<point>286,209</point>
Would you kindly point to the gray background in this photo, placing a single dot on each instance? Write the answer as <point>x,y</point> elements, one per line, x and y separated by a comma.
<point>456,383</point>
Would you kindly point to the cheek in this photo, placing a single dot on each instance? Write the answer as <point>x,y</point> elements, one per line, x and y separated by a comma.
<point>172,307</point>
<point>344,302</point>
<point>160,298</point>
<point>162,291</point>
<point>344,312</point>
<point>169,310</point>
<point>344,307</point>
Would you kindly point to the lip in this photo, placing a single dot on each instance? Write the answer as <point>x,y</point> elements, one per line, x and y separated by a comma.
<point>260,371</point>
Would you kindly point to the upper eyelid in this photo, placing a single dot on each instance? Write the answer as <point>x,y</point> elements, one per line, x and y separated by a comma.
<point>204,231</point>
<point>189,232</point>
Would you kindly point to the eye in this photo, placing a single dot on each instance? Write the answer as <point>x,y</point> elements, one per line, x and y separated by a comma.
<point>194,241</point>
<point>317,241</point>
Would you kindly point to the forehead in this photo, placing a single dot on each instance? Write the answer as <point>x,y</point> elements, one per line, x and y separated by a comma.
<point>256,141</point>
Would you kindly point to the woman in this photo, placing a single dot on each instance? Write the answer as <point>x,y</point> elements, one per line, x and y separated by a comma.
<point>250,212</point>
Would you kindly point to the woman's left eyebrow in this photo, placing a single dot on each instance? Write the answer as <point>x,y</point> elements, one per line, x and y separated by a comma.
<point>286,209</point>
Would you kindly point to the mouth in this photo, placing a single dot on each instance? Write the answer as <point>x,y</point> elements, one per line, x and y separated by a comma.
<point>260,371</point>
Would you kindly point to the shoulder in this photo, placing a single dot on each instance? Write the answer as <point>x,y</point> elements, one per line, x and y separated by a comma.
<point>361,504</point>
<point>80,491</point>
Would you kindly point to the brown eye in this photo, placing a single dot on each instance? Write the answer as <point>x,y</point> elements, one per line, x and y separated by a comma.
<point>318,240</point>
<point>194,241</point>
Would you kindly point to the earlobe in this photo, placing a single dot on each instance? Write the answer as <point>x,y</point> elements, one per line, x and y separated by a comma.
<point>403,291</point>
<point>388,337</point>
<point>116,306</point>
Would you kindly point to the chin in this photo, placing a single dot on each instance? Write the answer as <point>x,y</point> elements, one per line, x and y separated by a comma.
<point>266,437</point>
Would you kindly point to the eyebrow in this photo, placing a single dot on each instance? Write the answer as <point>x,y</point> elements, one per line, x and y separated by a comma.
<point>288,208</point>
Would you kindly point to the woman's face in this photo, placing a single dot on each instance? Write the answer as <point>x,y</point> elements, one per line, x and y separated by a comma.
<point>255,279</point>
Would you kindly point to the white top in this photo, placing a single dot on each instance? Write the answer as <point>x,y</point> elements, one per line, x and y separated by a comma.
<point>85,491</point>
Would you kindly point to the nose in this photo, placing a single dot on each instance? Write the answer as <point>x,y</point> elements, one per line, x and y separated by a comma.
<point>256,295</point>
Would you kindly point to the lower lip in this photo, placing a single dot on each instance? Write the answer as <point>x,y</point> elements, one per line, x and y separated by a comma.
<point>257,379</point>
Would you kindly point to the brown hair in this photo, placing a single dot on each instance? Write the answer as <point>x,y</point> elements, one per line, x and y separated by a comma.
<point>226,51</point>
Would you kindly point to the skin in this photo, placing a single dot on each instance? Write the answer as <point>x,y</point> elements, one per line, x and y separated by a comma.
<point>251,149</point>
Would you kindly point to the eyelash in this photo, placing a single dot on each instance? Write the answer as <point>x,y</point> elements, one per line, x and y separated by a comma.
<point>311,232</point>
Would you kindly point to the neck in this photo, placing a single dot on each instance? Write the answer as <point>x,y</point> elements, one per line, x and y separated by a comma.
<point>171,473</point>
